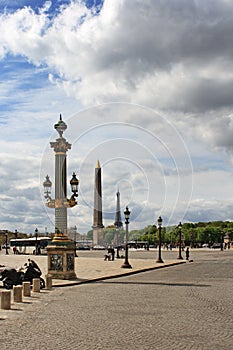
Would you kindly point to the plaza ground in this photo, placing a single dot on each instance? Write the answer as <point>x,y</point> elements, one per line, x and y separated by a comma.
<point>90,265</point>
<point>187,306</point>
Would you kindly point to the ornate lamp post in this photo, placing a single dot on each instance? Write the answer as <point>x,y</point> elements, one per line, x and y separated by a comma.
<point>180,238</point>
<point>61,251</point>
<point>160,221</point>
<point>75,239</point>
<point>126,264</point>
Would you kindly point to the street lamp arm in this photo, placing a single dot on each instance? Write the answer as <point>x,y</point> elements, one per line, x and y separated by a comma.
<point>72,201</point>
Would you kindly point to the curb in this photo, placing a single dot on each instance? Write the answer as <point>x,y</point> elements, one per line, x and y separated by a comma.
<point>93,280</point>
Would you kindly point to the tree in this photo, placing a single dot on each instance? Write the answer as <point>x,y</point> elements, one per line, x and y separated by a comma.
<point>152,235</point>
<point>90,235</point>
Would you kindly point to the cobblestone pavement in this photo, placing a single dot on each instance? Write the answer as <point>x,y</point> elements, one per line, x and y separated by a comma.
<point>187,306</point>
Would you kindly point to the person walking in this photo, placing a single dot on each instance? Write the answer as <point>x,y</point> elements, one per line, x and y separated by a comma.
<point>187,253</point>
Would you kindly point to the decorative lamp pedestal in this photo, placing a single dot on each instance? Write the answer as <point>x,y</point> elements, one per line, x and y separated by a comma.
<point>61,258</point>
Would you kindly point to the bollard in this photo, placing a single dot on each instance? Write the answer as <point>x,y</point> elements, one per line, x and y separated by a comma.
<point>36,285</point>
<point>18,294</point>
<point>48,281</point>
<point>26,289</point>
<point>6,300</point>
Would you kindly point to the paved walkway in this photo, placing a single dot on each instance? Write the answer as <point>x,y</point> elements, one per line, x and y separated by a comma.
<point>89,269</point>
<point>188,306</point>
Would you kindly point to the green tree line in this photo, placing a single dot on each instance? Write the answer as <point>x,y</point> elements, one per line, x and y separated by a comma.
<point>192,233</point>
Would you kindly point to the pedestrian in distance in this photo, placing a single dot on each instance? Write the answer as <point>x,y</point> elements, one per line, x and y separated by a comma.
<point>187,253</point>
<point>113,254</point>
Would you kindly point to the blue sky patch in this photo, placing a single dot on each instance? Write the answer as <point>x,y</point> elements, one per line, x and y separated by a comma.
<point>11,6</point>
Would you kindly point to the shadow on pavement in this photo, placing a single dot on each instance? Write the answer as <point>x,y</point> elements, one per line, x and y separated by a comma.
<point>157,284</point>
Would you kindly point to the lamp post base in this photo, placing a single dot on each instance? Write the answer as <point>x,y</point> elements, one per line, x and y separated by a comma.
<point>126,265</point>
<point>61,263</point>
<point>159,261</point>
<point>180,258</point>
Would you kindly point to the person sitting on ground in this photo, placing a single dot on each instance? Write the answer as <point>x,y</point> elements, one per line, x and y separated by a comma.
<point>107,256</point>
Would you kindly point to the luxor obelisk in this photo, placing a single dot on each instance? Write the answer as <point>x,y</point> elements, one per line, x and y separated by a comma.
<point>97,214</point>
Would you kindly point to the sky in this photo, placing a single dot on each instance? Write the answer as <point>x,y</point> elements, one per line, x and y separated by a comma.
<point>144,86</point>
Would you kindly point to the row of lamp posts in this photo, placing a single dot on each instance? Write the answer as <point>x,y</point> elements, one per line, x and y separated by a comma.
<point>126,263</point>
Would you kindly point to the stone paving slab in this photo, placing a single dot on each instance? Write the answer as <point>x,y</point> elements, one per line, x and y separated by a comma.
<point>89,269</point>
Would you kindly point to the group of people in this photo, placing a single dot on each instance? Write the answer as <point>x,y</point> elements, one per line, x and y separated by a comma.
<point>110,255</point>
<point>15,250</point>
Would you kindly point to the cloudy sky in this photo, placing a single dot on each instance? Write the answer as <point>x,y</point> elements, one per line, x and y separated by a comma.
<point>145,86</point>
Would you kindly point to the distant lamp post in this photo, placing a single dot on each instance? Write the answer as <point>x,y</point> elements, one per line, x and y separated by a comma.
<point>117,242</point>
<point>36,244</point>
<point>180,239</point>
<point>75,239</point>
<point>160,221</point>
<point>126,264</point>
<point>222,241</point>
<point>6,243</point>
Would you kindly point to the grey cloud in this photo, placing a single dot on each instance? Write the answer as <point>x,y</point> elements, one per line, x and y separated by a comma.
<point>128,58</point>
<point>208,94</point>
<point>209,214</point>
<point>175,56</point>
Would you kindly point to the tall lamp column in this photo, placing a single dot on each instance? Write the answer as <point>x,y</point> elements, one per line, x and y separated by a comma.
<point>61,251</point>
<point>126,264</point>
<point>160,221</point>
<point>180,237</point>
<point>75,239</point>
<point>117,242</point>
<point>6,243</point>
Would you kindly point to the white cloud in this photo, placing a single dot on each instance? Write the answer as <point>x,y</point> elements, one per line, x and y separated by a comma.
<point>174,57</point>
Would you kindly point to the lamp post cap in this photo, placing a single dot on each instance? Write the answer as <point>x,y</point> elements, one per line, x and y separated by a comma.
<point>60,126</point>
<point>160,220</point>
<point>127,212</point>
<point>47,181</point>
<point>180,225</point>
